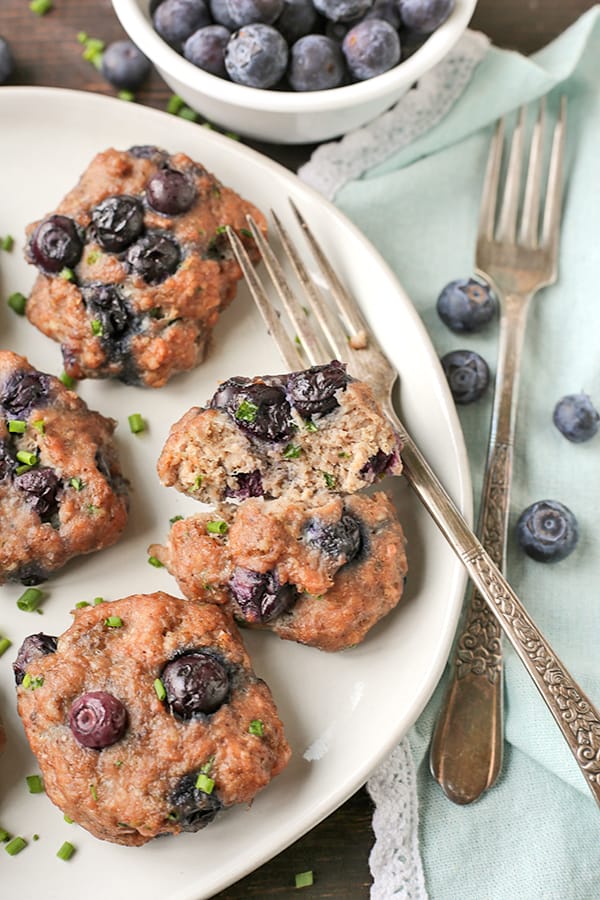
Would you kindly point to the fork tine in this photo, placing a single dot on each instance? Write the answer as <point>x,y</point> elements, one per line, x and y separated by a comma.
<point>286,346</point>
<point>528,233</point>
<point>507,224</point>
<point>553,205</point>
<point>487,212</point>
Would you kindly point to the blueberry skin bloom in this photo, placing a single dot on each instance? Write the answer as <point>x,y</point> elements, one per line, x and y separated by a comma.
<point>316,64</point>
<point>547,531</point>
<point>371,48</point>
<point>576,418</point>
<point>256,56</point>
<point>467,373</point>
<point>424,16</point>
<point>124,66</point>
<point>466,305</point>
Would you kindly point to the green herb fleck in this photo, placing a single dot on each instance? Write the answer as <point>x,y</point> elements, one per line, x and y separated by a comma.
<point>173,816</point>
<point>160,689</point>
<point>5,643</point>
<point>329,480</point>
<point>93,48</point>
<point>217,527</point>
<point>343,454</point>
<point>221,229</point>
<point>35,837</point>
<point>30,599</point>
<point>82,36</point>
<point>31,682</point>
<point>17,303</point>
<point>155,561</point>
<point>93,257</point>
<point>67,273</point>
<point>247,233</point>
<point>96,326</point>
<point>4,835</point>
<point>66,380</point>
<point>68,819</point>
<point>35,784</point>
<point>39,425</point>
<point>246,411</point>
<point>15,846</point>
<point>189,114</point>
<point>197,483</point>
<point>174,104</point>
<point>25,456</point>
<point>93,792</point>
<point>304,879</point>
<point>174,519</point>
<point>97,601</point>
<point>81,604</point>
<point>40,7</point>
<point>310,426</point>
<point>17,426</point>
<point>76,483</point>
<point>20,470</point>
<point>292,451</point>
<point>114,622</point>
<point>155,313</point>
<point>128,96</point>
<point>7,242</point>
<point>204,783</point>
<point>136,423</point>
<point>232,135</point>
<point>256,727</point>
<point>119,763</point>
<point>66,851</point>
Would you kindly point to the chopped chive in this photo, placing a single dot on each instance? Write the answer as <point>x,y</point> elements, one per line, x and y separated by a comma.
<point>39,425</point>
<point>68,819</point>
<point>66,380</point>
<point>136,423</point>
<point>93,48</point>
<point>4,835</point>
<point>128,96</point>
<point>114,622</point>
<point>35,837</point>
<point>155,313</point>
<point>81,604</point>
<point>221,229</point>
<point>329,480</point>
<point>119,763</point>
<point>40,7</point>
<point>173,816</point>
<point>256,727</point>
<point>247,233</point>
<point>217,527</point>
<point>155,561</point>
<point>17,303</point>
<point>292,451</point>
<point>232,135</point>
<point>76,483</point>
<point>5,643</point>
<point>93,257</point>
<point>30,599</point>
<point>174,519</point>
<point>24,456</point>
<point>204,783</point>
<point>246,411</point>
<point>20,470</point>
<point>310,426</point>
<point>97,601</point>
<point>7,242</point>
<point>187,113</point>
<point>82,37</point>
<point>31,682</point>
<point>197,483</point>
<point>304,879</point>
<point>343,454</point>
<point>15,846</point>
<point>17,426</point>
<point>96,326</point>
<point>66,851</point>
<point>160,689</point>
<point>93,792</point>
<point>35,784</point>
<point>175,103</point>
<point>67,274</point>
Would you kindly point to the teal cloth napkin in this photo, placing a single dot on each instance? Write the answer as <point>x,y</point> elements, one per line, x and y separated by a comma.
<point>536,833</point>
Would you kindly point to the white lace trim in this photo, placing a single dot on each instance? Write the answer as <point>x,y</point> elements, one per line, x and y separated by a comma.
<point>333,165</point>
<point>395,861</point>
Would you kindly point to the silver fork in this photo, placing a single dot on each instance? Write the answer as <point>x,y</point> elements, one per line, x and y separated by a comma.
<point>353,343</point>
<point>466,750</point>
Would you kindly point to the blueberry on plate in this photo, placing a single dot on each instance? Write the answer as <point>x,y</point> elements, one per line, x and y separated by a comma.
<point>576,417</point>
<point>547,531</point>
<point>193,808</point>
<point>196,683</point>
<point>467,373</point>
<point>55,244</point>
<point>256,56</point>
<point>33,647</point>
<point>154,257</point>
<point>312,391</point>
<point>466,305</point>
<point>170,192</point>
<point>371,48</point>
<point>124,66</point>
<point>7,63</point>
<point>97,720</point>
<point>424,16</point>
<point>117,222</point>
<point>24,392</point>
<point>260,595</point>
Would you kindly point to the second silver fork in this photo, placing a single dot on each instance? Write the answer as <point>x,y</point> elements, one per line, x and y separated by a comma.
<point>466,750</point>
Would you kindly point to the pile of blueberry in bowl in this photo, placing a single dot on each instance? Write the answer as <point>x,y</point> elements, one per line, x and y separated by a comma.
<point>293,71</point>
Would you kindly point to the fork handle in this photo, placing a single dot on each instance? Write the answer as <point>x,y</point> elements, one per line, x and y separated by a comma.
<point>573,711</point>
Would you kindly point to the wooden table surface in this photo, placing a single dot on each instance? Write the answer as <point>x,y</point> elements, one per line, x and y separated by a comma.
<point>47,53</point>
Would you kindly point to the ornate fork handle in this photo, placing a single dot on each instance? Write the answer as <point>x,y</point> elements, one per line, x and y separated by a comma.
<point>575,715</point>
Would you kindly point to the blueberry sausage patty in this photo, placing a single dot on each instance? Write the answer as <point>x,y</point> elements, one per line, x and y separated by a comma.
<point>62,492</point>
<point>300,435</point>
<point>146,717</point>
<point>321,575</point>
<point>135,266</point>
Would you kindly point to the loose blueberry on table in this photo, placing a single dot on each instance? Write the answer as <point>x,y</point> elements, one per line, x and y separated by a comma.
<point>124,65</point>
<point>467,373</point>
<point>576,418</point>
<point>466,305</point>
<point>547,531</point>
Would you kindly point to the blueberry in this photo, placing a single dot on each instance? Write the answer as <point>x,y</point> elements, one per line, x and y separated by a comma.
<point>312,391</point>
<point>7,63</point>
<point>192,808</point>
<point>256,407</point>
<point>105,304</point>
<point>379,464</point>
<point>170,192</point>
<point>31,573</point>
<point>256,56</point>
<point>205,49</point>
<point>23,392</point>
<point>97,720</point>
<point>260,596</point>
<point>249,485</point>
<point>547,531</point>
<point>251,12</point>
<point>41,486</point>
<point>338,539</point>
<point>316,64</point>
<point>175,20</point>
<point>220,13</point>
<point>7,460</point>
<point>370,48</point>
<point>196,683</point>
<point>424,16</point>
<point>55,244</point>
<point>149,151</point>
<point>342,10</point>
<point>467,373</point>
<point>153,257</point>
<point>124,66</point>
<point>298,18</point>
<point>466,305</point>
<point>386,10</point>
<point>576,417</point>
<point>33,647</point>
<point>117,222</point>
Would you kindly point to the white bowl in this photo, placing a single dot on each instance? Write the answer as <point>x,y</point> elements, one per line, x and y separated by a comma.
<point>287,117</point>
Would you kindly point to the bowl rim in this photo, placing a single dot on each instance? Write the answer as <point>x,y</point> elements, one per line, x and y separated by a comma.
<point>134,16</point>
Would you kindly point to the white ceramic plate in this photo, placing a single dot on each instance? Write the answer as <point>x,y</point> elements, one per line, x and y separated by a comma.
<point>342,713</point>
